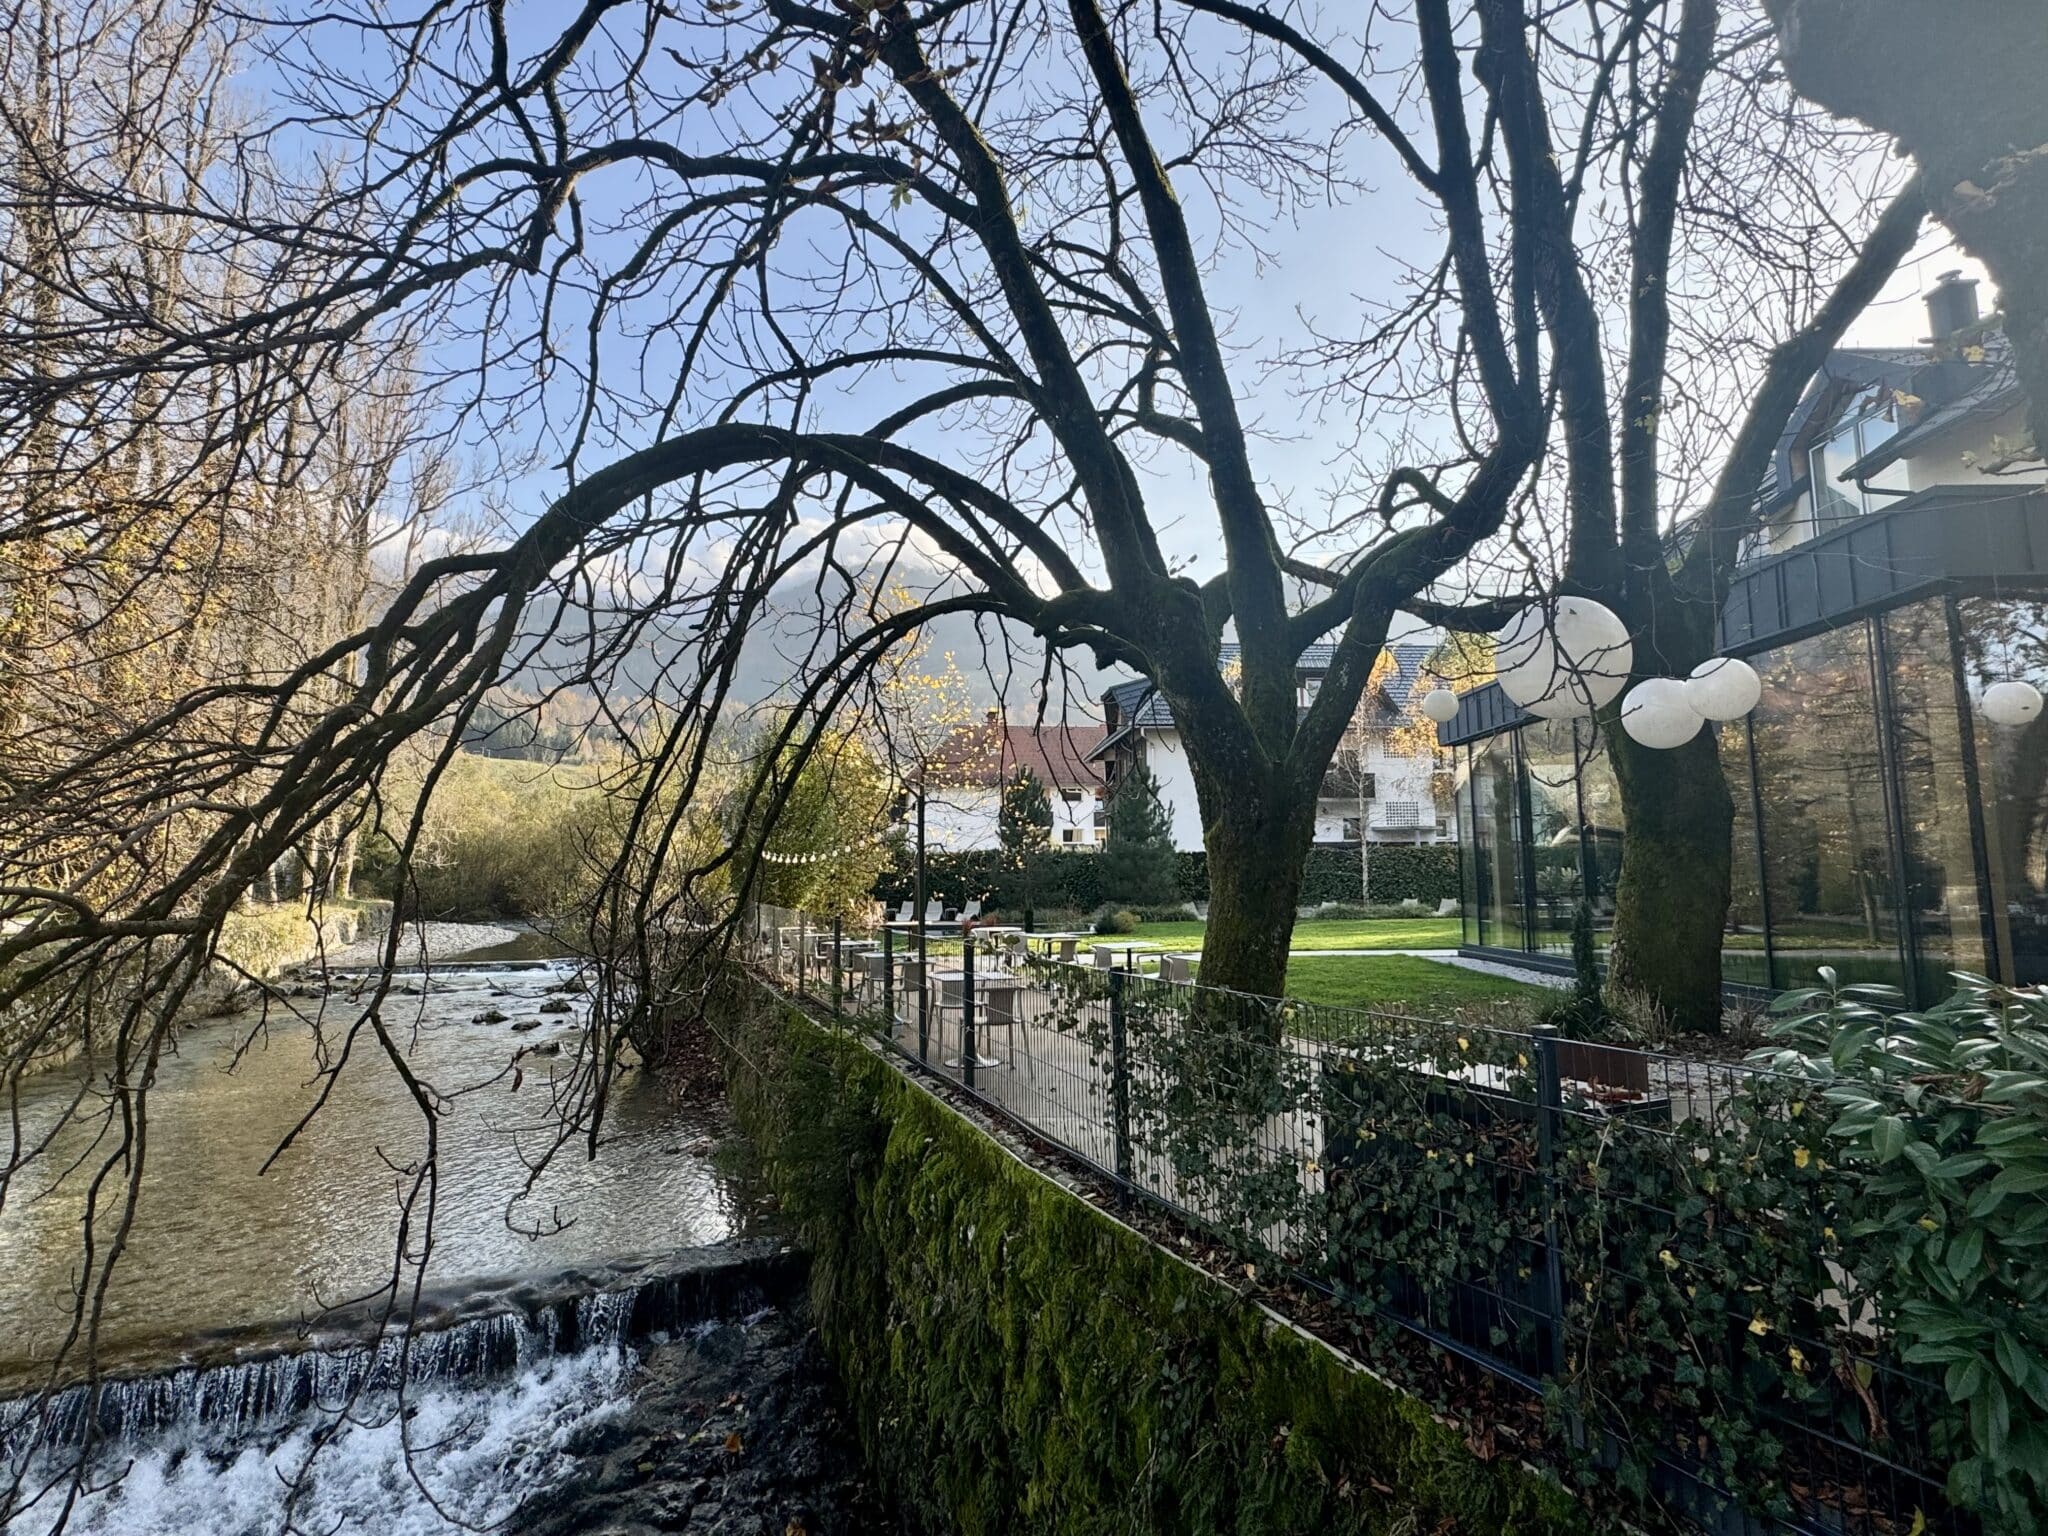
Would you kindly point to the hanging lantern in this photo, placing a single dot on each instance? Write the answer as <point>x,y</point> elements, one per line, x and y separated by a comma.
<point>1565,659</point>
<point>2011,703</point>
<point>1723,688</point>
<point>1441,705</point>
<point>1656,714</point>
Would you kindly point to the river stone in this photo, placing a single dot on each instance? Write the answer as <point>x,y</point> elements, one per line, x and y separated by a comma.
<point>524,1025</point>
<point>491,1016</point>
<point>557,1005</point>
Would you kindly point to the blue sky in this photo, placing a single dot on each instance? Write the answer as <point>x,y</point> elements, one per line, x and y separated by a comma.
<point>1329,261</point>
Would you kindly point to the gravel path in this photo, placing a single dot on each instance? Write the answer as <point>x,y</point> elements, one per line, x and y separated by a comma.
<point>424,943</point>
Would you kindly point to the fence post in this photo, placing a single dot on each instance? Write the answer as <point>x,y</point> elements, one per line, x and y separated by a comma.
<point>889,980</point>
<point>924,991</point>
<point>838,966</point>
<point>1549,1111</point>
<point>803,950</point>
<point>968,1043</point>
<point>1119,1075</point>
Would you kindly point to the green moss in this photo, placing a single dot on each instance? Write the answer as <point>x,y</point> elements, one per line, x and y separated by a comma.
<point>1019,1362</point>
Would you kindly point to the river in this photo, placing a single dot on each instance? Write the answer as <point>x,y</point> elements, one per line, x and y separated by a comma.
<point>221,1243</point>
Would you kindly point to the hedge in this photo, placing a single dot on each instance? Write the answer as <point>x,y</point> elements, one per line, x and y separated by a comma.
<point>1018,1361</point>
<point>1426,872</point>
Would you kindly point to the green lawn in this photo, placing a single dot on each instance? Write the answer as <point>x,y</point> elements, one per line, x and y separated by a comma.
<point>1377,933</point>
<point>1402,984</point>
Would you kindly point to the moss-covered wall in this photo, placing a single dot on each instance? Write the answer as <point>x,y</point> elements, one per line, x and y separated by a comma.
<point>1020,1362</point>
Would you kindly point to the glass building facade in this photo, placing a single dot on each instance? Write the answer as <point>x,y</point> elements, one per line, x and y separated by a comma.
<point>1882,825</point>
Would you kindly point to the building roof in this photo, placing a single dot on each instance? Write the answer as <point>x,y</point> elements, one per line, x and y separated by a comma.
<point>1138,706</point>
<point>1989,391</point>
<point>988,755</point>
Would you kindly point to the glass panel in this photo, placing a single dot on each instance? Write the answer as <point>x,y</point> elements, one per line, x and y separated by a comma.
<point>1497,859</point>
<point>1600,802</point>
<point>1549,758</point>
<point>1942,895</point>
<point>2003,640</point>
<point>1834,499</point>
<point>1468,854</point>
<point>1827,843</point>
<point>1874,432</point>
<point>1743,959</point>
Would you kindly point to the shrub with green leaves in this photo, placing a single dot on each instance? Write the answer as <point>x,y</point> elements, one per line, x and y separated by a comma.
<point>1941,1118</point>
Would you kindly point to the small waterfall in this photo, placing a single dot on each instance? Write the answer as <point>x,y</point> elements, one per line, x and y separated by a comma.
<point>513,1331</point>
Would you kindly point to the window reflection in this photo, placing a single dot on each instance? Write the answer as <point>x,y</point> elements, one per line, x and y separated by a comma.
<point>2006,639</point>
<point>1550,758</point>
<point>1496,861</point>
<point>1935,782</point>
<point>1827,843</point>
<point>1744,958</point>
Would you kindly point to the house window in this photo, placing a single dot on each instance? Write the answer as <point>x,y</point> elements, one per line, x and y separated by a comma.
<point>1069,835</point>
<point>1836,500</point>
<point>1071,796</point>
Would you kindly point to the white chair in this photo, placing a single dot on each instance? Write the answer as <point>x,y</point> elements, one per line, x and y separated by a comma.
<point>935,911</point>
<point>971,911</point>
<point>1175,968</point>
<point>1448,907</point>
<point>903,913</point>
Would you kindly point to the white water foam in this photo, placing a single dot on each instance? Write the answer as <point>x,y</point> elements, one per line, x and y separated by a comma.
<point>479,1449</point>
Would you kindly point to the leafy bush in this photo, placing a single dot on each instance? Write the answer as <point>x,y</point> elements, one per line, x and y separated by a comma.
<point>1116,920</point>
<point>1174,912</point>
<point>1942,1117</point>
<point>503,837</point>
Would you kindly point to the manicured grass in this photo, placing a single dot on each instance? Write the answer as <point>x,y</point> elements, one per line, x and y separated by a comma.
<point>1377,933</point>
<point>1402,984</point>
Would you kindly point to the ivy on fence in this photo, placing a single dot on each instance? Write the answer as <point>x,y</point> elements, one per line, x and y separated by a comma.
<point>1808,1291</point>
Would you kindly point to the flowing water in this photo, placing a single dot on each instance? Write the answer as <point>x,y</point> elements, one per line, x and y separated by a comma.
<point>221,1242</point>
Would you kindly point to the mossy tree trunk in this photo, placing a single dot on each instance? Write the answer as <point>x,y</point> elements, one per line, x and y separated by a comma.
<point>1257,850</point>
<point>1671,903</point>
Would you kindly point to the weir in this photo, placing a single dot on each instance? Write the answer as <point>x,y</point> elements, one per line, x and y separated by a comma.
<point>260,1380</point>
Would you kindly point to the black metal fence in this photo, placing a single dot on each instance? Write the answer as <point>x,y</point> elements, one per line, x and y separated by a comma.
<point>1652,1249</point>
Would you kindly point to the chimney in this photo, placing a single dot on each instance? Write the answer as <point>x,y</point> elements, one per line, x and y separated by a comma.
<point>1951,307</point>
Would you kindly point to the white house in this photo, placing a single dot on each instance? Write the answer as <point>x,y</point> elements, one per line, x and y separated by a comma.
<point>1880,423</point>
<point>964,789</point>
<point>1393,795</point>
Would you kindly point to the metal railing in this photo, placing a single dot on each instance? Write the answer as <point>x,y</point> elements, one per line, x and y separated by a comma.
<point>1651,1247</point>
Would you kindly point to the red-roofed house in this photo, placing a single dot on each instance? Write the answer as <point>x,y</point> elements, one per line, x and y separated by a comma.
<point>964,793</point>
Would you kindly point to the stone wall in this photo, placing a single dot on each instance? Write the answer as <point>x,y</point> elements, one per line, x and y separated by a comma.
<point>1019,1361</point>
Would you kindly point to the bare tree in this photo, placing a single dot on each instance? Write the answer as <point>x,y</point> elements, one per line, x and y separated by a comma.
<point>1704,239</point>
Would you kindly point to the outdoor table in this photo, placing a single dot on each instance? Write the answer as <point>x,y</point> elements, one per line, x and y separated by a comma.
<point>1134,951</point>
<point>989,986</point>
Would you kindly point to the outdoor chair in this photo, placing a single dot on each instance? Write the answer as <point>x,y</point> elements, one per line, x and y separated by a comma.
<point>904,912</point>
<point>935,911</point>
<point>1448,907</point>
<point>971,911</point>
<point>1175,968</point>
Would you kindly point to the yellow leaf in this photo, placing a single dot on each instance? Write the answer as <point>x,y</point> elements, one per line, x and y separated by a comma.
<point>1801,1157</point>
<point>1758,1326</point>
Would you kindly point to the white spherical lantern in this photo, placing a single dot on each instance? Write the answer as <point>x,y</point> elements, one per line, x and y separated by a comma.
<point>1723,688</point>
<point>1441,705</point>
<point>1564,659</point>
<point>2011,703</point>
<point>1656,714</point>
